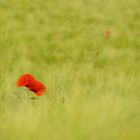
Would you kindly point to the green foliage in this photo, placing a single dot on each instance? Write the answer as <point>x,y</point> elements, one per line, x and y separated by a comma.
<point>92,81</point>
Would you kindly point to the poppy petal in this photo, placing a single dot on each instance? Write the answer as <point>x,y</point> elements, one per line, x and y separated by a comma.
<point>23,80</point>
<point>40,92</point>
<point>32,84</point>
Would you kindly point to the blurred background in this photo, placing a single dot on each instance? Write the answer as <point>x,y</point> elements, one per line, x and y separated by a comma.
<point>87,53</point>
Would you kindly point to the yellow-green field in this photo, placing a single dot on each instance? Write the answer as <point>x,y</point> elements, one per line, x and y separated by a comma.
<point>93,82</point>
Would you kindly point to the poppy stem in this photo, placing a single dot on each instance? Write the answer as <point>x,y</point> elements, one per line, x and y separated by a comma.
<point>63,99</point>
<point>61,94</point>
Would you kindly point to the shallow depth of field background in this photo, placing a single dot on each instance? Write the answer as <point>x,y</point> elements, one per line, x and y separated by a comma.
<point>93,83</point>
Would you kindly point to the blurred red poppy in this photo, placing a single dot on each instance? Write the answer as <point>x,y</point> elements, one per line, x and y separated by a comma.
<point>107,34</point>
<point>32,84</point>
<point>58,35</point>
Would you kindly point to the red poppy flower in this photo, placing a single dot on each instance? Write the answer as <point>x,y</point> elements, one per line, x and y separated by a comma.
<point>32,84</point>
<point>107,34</point>
<point>58,35</point>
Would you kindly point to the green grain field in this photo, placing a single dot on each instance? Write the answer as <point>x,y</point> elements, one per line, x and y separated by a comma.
<point>93,81</point>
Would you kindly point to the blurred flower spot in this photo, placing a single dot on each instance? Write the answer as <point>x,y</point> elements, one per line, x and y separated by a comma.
<point>107,34</point>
